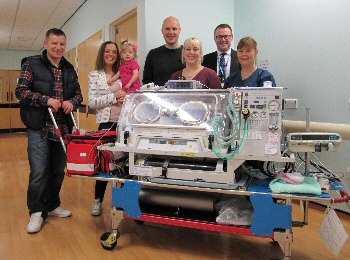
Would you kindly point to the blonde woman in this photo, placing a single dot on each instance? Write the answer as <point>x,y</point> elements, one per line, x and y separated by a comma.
<point>192,56</point>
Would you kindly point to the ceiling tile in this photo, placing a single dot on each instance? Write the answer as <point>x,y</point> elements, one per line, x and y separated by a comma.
<point>23,23</point>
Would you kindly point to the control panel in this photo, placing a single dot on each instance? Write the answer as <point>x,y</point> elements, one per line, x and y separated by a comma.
<point>264,109</point>
<point>183,84</point>
<point>313,142</point>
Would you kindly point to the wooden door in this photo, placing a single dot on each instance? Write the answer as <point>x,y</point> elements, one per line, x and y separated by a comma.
<point>126,29</point>
<point>71,57</point>
<point>5,112</point>
<point>9,105</point>
<point>5,88</point>
<point>13,76</point>
<point>87,54</point>
<point>15,119</point>
<point>5,120</point>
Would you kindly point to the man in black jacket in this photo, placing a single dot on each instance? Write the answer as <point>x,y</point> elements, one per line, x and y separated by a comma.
<point>224,60</point>
<point>47,80</point>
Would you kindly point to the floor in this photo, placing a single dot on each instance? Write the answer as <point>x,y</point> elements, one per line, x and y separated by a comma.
<point>77,237</point>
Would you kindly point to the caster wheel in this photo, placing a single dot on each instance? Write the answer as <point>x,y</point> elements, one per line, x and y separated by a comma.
<point>109,240</point>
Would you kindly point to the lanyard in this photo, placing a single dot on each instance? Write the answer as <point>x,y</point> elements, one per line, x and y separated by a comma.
<point>221,68</point>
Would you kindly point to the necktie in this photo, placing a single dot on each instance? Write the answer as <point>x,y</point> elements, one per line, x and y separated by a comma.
<point>222,67</point>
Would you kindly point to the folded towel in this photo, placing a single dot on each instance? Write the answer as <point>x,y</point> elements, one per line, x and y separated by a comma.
<point>309,186</point>
<point>296,178</point>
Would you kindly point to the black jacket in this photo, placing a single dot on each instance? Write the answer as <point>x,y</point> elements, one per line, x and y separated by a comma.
<point>210,61</point>
<point>35,117</point>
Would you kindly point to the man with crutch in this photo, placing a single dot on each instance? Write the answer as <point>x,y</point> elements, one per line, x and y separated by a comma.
<point>47,81</point>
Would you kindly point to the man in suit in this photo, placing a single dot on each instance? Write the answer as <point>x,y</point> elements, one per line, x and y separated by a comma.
<point>224,60</point>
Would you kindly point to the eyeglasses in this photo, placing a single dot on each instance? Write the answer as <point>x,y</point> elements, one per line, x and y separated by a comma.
<point>223,37</point>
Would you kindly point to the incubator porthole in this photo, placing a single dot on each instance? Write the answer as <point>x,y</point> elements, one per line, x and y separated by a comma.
<point>193,112</point>
<point>147,112</point>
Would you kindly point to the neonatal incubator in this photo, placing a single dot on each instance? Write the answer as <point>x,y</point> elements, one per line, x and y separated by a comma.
<point>188,148</point>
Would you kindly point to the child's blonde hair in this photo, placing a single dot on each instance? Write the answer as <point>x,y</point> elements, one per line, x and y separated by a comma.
<point>127,45</point>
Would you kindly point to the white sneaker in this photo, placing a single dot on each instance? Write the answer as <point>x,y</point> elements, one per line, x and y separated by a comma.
<point>60,212</point>
<point>96,208</point>
<point>35,223</point>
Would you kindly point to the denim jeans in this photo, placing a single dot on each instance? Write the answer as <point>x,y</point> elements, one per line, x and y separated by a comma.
<point>47,161</point>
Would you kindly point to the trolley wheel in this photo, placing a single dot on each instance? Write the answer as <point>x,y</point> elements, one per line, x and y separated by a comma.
<point>109,240</point>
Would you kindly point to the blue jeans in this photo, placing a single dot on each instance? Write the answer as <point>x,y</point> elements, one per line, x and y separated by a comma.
<point>47,161</point>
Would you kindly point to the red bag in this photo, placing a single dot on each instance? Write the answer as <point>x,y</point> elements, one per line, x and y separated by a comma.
<point>106,162</point>
<point>82,158</point>
<point>94,137</point>
<point>82,152</point>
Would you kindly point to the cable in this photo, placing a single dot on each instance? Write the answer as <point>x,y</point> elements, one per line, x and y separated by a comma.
<point>228,142</point>
<point>331,176</point>
<point>219,153</point>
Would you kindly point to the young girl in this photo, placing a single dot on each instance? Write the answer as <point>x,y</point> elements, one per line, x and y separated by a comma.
<point>129,69</point>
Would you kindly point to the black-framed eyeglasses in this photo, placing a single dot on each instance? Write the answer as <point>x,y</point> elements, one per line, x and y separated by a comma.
<point>223,37</point>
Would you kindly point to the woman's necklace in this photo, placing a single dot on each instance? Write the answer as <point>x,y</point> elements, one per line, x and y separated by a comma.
<point>190,73</point>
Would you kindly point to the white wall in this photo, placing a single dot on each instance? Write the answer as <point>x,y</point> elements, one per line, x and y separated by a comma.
<point>307,42</point>
<point>197,18</point>
<point>96,15</point>
<point>11,59</point>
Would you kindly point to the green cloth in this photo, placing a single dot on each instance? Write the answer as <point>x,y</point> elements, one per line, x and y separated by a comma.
<point>309,186</point>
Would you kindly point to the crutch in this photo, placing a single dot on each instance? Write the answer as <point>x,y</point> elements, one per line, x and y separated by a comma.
<point>77,131</point>
<point>57,130</point>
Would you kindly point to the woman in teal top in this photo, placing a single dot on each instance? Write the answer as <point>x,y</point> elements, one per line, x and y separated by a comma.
<point>250,75</point>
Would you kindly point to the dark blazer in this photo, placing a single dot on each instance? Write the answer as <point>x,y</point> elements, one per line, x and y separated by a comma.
<point>210,61</point>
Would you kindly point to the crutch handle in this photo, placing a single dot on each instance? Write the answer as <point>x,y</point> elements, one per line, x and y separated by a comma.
<point>57,130</point>
<point>77,131</point>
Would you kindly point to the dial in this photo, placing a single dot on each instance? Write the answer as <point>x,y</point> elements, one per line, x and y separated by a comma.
<point>255,114</point>
<point>274,105</point>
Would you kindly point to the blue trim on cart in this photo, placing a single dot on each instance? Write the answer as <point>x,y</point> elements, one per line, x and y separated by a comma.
<point>127,198</point>
<point>268,215</point>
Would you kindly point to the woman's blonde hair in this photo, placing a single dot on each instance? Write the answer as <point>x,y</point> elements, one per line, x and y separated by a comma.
<point>193,41</point>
